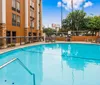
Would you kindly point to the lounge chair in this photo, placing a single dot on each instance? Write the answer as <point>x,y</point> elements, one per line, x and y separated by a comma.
<point>47,39</point>
<point>41,39</point>
<point>35,39</point>
<point>68,38</point>
<point>53,39</point>
<point>90,40</point>
<point>98,40</point>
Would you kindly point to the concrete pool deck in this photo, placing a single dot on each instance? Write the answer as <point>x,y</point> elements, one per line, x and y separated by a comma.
<point>38,43</point>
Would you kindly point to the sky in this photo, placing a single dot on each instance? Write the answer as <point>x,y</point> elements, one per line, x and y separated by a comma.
<point>52,9</point>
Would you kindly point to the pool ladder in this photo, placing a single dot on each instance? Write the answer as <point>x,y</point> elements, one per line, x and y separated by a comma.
<point>20,62</point>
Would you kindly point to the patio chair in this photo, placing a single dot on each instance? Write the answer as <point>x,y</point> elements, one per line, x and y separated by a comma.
<point>50,39</point>
<point>41,39</point>
<point>35,39</point>
<point>53,39</point>
<point>93,41</point>
<point>68,38</point>
<point>47,39</point>
<point>98,40</point>
<point>90,40</point>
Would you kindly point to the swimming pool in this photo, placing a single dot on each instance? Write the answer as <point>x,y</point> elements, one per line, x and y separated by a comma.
<point>53,64</point>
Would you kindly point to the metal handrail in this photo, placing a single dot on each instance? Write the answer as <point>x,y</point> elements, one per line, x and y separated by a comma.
<point>20,62</point>
<point>21,37</point>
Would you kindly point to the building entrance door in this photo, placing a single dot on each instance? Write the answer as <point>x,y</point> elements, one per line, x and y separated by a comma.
<point>8,35</point>
<point>13,37</point>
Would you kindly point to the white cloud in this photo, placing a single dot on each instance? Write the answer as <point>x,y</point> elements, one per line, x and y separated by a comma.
<point>59,4</point>
<point>76,4</point>
<point>87,4</point>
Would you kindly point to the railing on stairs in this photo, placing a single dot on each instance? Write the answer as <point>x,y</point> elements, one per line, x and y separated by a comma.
<point>20,62</point>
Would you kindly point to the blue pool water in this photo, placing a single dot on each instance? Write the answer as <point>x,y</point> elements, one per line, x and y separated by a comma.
<point>53,64</point>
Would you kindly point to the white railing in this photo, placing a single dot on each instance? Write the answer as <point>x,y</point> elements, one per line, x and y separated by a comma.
<point>20,62</point>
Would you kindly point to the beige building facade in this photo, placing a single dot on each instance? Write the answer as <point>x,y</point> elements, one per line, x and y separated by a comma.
<point>20,18</point>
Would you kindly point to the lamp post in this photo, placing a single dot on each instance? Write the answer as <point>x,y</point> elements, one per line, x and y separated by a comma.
<point>83,5</point>
<point>72,5</point>
<point>72,14</point>
<point>61,13</point>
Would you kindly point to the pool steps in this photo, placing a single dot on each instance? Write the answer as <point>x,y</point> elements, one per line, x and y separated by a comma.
<point>20,62</point>
<point>4,65</point>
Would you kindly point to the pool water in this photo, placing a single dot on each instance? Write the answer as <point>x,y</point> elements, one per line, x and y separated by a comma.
<point>53,64</point>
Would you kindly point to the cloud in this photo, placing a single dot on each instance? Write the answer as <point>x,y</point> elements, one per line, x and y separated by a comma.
<point>87,4</point>
<point>59,4</point>
<point>76,4</point>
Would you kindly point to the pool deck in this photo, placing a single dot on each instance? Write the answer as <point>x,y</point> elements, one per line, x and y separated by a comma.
<point>37,43</point>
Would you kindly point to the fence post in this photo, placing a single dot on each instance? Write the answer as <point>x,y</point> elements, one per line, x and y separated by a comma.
<point>20,40</point>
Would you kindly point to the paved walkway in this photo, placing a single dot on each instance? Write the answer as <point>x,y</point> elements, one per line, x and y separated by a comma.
<point>37,43</point>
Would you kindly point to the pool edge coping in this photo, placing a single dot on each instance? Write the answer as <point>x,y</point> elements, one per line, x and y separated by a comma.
<point>40,43</point>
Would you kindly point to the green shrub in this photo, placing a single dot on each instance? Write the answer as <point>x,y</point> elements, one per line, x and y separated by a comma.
<point>11,45</point>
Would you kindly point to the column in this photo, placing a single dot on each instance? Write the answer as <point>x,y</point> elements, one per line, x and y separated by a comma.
<point>3,21</point>
<point>26,20</point>
<point>37,10</point>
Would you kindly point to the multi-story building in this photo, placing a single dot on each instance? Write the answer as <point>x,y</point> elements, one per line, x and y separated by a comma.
<point>20,18</point>
<point>55,26</point>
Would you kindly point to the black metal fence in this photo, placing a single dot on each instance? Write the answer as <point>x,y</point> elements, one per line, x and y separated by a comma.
<point>19,40</point>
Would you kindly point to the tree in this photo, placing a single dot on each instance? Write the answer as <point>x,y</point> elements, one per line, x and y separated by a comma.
<point>74,20</point>
<point>49,31</point>
<point>93,23</point>
<point>97,22</point>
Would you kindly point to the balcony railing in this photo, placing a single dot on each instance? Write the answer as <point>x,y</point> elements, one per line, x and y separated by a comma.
<point>19,40</point>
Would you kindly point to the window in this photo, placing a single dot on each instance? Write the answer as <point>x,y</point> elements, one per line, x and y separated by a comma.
<point>31,13</point>
<point>31,4</point>
<point>18,21</point>
<point>18,7</point>
<point>14,5</point>
<point>31,24</point>
<point>13,19</point>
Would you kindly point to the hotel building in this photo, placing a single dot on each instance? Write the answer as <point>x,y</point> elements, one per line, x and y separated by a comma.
<point>20,18</point>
